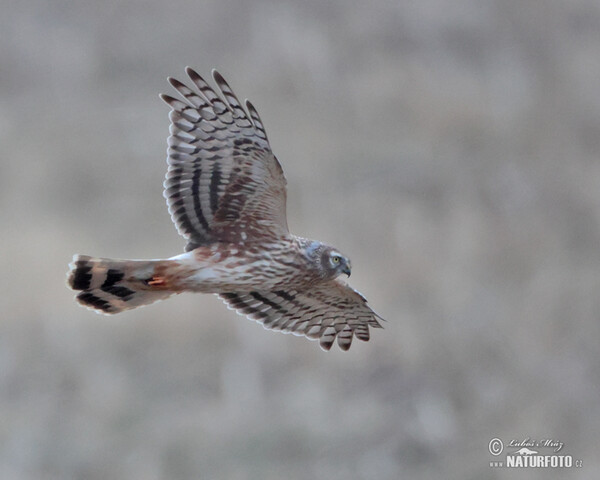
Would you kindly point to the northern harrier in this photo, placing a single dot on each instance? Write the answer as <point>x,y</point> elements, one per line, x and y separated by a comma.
<point>226,194</point>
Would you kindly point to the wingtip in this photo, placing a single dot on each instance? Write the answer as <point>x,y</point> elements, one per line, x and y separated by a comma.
<point>380,318</point>
<point>217,76</point>
<point>193,74</point>
<point>252,109</point>
<point>190,72</point>
<point>166,99</point>
<point>170,101</point>
<point>173,81</point>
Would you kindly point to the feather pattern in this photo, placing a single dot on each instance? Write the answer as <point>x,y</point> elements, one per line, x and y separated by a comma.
<point>223,182</point>
<point>325,311</point>
<point>226,194</point>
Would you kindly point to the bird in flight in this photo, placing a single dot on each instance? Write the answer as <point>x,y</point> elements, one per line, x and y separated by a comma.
<point>226,194</point>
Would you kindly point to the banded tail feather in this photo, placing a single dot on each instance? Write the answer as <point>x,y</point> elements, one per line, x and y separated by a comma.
<point>111,286</point>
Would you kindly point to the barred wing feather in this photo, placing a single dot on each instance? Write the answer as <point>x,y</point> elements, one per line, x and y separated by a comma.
<point>326,311</point>
<point>223,182</point>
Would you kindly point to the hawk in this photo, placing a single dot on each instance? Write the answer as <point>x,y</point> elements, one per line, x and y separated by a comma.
<point>226,194</point>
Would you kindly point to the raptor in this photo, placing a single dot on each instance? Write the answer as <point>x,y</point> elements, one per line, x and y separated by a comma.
<point>226,194</point>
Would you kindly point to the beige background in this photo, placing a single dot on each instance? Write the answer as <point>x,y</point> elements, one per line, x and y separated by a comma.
<point>451,149</point>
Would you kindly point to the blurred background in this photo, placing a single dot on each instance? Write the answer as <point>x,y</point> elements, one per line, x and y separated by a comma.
<point>450,149</point>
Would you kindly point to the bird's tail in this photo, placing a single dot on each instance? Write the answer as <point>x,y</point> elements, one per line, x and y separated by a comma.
<point>111,286</point>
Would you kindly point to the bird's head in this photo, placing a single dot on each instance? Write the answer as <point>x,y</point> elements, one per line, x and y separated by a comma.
<point>335,263</point>
<point>328,260</point>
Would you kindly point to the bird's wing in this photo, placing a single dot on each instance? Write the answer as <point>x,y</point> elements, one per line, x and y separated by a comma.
<point>223,183</point>
<point>325,311</point>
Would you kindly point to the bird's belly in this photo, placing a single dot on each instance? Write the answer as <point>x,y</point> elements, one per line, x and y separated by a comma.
<point>235,274</point>
<point>216,280</point>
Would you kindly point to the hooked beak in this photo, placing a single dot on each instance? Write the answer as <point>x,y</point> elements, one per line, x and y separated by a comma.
<point>346,269</point>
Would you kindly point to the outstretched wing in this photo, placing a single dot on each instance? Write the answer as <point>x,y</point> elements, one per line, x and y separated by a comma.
<point>223,183</point>
<point>326,311</point>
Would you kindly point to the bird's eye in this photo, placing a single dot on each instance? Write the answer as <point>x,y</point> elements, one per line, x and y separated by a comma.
<point>336,259</point>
